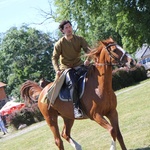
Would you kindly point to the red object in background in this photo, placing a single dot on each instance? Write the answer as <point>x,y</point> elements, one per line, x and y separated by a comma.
<point>11,107</point>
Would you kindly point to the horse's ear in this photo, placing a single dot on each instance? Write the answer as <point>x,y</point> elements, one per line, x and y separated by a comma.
<point>106,42</point>
<point>111,39</point>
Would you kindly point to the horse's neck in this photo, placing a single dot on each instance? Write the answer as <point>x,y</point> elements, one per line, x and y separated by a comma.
<point>104,78</point>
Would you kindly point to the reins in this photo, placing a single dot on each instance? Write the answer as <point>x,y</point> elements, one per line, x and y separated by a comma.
<point>105,64</point>
<point>119,61</point>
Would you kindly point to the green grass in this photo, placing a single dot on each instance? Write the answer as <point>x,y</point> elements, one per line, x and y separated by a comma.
<point>134,117</point>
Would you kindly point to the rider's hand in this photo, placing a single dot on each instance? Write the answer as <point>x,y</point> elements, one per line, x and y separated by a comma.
<point>58,73</point>
<point>86,62</point>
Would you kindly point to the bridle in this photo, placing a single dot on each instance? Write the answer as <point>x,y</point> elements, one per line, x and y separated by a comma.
<point>119,61</point>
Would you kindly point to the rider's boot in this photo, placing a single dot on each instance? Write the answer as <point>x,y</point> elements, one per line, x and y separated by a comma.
<point>77,112</point>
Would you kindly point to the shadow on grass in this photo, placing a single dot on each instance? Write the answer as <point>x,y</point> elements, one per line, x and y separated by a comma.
<point>145,148</point>
<point>1,137</point>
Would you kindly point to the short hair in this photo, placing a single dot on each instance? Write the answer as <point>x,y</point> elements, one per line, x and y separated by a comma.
<point>61,26</point>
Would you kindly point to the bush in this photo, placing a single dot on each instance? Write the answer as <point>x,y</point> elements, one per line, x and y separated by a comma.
<point>27,115</point>
<point>116,82</point>
<point>124,77</point>
<point>138,73</point>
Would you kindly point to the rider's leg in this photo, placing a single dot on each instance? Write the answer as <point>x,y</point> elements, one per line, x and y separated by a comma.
<point>71,81</point>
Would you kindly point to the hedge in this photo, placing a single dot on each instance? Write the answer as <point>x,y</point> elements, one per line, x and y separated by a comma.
<point>27,115</point>
<point>124,77</point>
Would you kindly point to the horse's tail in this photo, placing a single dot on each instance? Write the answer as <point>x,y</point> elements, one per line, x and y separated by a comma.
<point>30,91</point>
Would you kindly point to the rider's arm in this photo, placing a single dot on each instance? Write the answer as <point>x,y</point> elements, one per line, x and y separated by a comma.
<point>55,56</point>
<point>86,49</point>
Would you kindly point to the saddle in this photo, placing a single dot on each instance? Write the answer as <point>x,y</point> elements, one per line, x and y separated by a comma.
<point>59,88</point>
<point>64,93</point>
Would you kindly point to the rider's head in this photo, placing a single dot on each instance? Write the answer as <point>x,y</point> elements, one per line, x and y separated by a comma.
<point>63,23</point>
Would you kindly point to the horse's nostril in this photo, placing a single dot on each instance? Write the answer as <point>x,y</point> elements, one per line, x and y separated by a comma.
<point>132,63</point>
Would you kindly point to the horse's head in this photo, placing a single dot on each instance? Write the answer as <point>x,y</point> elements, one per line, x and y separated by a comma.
<point>110,53</point>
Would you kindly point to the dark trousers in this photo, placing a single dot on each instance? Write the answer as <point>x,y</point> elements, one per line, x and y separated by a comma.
<point>72,78</point>
<point>72,82</point>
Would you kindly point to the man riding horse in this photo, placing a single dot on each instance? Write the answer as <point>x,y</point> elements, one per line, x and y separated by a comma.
<point>67,54</point>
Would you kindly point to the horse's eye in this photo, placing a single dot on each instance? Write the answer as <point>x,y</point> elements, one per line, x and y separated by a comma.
<point>115,50</point>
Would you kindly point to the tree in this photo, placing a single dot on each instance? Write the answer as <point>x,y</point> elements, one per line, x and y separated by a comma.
<point>25,54</point>
<point>133,23</point>
<point>127,21</point>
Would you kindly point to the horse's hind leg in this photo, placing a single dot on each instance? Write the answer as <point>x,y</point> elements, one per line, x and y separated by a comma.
<point>113,117</point>
<point>53,124</point>
<point>68,123</point>
<point>51,117</point>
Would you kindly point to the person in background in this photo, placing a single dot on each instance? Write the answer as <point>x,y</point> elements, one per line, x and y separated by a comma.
<point>67,54</point>
<point>2,126</point>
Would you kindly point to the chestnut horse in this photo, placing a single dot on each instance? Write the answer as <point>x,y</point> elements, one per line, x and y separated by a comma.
<point>98,100</point>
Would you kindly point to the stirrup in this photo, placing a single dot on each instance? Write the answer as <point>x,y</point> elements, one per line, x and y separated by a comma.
<point>78,113</point>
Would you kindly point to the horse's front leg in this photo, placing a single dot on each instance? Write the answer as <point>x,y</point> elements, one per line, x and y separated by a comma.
<point>51,117</point>
<point>115,132</point>
<point>68,123</point>
<point>104,123</point>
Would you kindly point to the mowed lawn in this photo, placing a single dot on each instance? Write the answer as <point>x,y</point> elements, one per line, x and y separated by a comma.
<point>134,118</point>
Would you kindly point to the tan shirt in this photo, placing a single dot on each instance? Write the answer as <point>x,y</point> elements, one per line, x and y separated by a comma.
<point>67,54</point>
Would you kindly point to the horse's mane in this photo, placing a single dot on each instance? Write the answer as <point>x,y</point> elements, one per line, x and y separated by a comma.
<point>95,52</point>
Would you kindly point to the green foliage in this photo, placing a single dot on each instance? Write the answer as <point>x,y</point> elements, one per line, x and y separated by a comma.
<point>25,54</point>
<point>125,20</point>
<point>133,23</point>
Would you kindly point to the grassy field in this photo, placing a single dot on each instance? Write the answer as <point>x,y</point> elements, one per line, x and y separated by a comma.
<point>134,117</point>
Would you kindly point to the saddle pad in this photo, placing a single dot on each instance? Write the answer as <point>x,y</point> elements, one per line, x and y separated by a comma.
<point>54,90</point>
<point>64,93</point>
